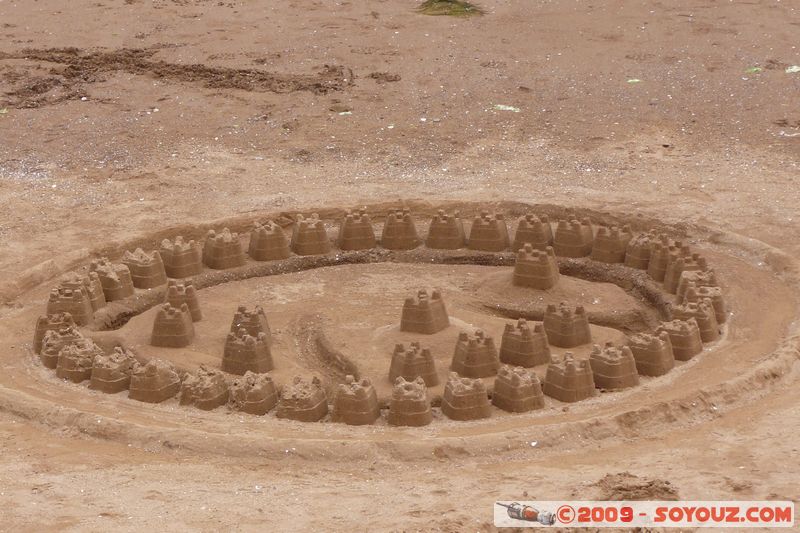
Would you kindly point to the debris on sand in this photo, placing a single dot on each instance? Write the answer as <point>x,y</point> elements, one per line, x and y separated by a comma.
<point>503,107</point>
<point>452,8</point>
<point>794,69</point>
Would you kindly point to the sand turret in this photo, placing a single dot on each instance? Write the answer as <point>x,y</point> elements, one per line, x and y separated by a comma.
<point>400,231</point>
<point>253,393</point>
<point>517,390</point>
<point>254,322</point>
<point>424,313</point>
<point>51,321</point>
<point>613,368</point>
<point>172,327</point>
<point>309,236</point>
<point>680,265</point>
<point>183,292</point>
<point>535,231</point>
<point>91,285</point>
<point>412,363</point>
<point>653,353</point>
<point>115,279</point>
<point>181,259</point>
<point>610,244</point>
<point>703,312</point>
<point>569,380</point>
<point>206,389</point>
<point>465,399</point>
<point>356,232</point>
<point>223,250</point>
<point>475,355</point>
<point>446,232</point>
<point>147,269</point>
<point>244,353</point>
<point>684,336</point>
<point>565,328</point>
<point>409,405</point>
<point>154,382</point>
<point>713,294</point>
<point>524,345</point>
<point>76,302</point>
<point>695,278</point>
<point>355,402</point>
<point>573,238</point>
<point>663,252</point>
<point>303,400</point>
<point>112,373</point>
<point>75,360</point>
<point>637,253</point>
<point>268,242</point>
<point>536,269</point>
<point>488,233</point>
<point>54,340</point>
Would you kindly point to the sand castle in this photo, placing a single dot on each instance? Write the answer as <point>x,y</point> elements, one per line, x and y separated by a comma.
<point>147,269</point>
<point>112,373</point>
<point>535,231</point>
<point>54,340</point>
<point>115,279</point>
<point>50,321</point>
<point>181,259</point>
<point>653,353</point>
<point>695,278</point>
<point>254,322</point>
<point>446,232</point>
<point>172,327</point>
<point>568,380</point>
<point>613,368</point>
<point>684,336</point>
<point>253,393</point>
<point>245,353</point>
<point>465,399</point>
<point>356,232</point>
<point>516,390</point>
<point>704,314</point>
<point>91,285</point>
<point>76,302</point>
<point>355,402</point>
<point>424,314</point>
<point>223,250</point>
<point>565,328</point>
<point>713,294</point>
<point>610,244</point>
<point>183,292</point>
<point>573,238</point>
<point>536,269</point>
<point>206,389</point>
<point>400,231</point>
<point>412,363</point>
<point>475,355</point>
<point>680,265</point>
<point>268,242</point>
<point>488,233</point>
<point>303,400</point>
<point>637,253</point>
<point>409,405</point>
<point>523,345</point>
<point>75,360</point>
<point>309,236</point>
<point>154,382</point>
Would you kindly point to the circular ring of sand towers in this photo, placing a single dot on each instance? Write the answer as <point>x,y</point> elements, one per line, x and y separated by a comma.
<point>481,325</point>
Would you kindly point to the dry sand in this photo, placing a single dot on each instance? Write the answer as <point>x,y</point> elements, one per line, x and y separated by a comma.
<point>125,118</point>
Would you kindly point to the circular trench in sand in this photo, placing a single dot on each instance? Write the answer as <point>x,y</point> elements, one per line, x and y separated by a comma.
<point>352,301</point>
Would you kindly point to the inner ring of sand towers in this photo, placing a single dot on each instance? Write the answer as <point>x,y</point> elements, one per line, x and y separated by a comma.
<point>530,319</point>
